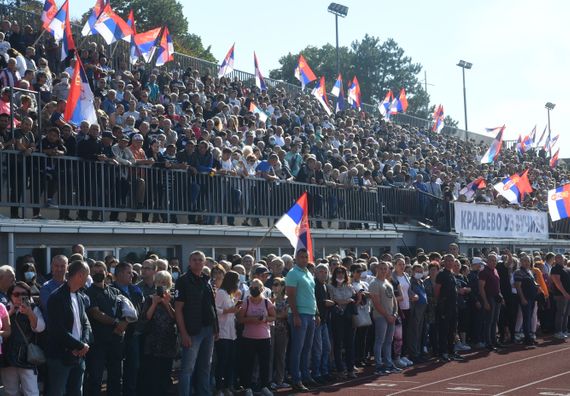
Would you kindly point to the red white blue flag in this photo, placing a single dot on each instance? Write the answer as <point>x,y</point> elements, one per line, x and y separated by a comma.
<point>294,225</point>
<point>384,106</point>
<point>146,43</point>
<point>89,27</point>
<point>79,105</point>
<point>57,25</point>
<point>320,92</point>
<point>49,11</point>
<point>303,72</point>
<point>354,93</point>
<point>227,65</point>
<point>259,80</point>
<point>515,187</point>
<point>438,117</point>
<point>554,159</point>
<point>335,91</point>
<point>112,27</point>
<point>559,202</point>
<point>469,190</point>
<point>165,48</point>
<point>256,110</point>
<point>493,153</point>
<point>67,42</point>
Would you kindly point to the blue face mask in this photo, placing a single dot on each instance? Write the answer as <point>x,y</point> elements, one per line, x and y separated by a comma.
<point>29,275</point>
<point>242,278</point>
<point>175,276</point>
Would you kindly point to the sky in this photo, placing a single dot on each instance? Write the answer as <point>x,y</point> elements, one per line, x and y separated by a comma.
<point>519,50</point>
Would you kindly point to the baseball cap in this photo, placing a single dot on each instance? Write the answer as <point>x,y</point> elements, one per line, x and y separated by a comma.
<point>107,134</point>
<point>138,136</point>
<point>261,270</point>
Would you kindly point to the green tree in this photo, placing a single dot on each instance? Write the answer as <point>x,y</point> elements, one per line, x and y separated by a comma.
<point>379,66</point>
<point>150,14</point>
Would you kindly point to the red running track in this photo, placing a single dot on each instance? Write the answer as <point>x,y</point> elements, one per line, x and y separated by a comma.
<point>542,371</point>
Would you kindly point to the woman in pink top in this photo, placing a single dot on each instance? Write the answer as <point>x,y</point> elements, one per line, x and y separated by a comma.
<point>4,325</point>
<point>256,313</point>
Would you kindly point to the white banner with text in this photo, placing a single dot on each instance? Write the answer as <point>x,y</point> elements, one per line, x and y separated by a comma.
<point>490,221</point>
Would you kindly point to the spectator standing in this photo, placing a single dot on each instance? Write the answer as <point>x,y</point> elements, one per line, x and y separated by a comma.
<point>197,322</point>
<point>303,309</point>
<point>417,313</point>
<point>560,287</point>
<point>58,271</point>
<point>69,333</point>
<point>527,291</point>
<point>446,311</point>
<point>321,342</point>
<point>109,327</point>
<point>490,293</point>
<point>385,313</point>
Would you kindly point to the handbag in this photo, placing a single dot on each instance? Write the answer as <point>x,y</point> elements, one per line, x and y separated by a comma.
<point>34,354</point>
<point>362,317</point>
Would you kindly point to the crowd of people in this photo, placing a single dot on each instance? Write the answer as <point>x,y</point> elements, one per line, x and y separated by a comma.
<point>300,324</point>
<point>187,120</point>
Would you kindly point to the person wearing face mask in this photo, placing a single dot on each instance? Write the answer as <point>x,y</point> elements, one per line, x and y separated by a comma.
<point>474,306</point>
<point>256,313</point>
<point>108,327</point>
<point>242,287</point>
<point>417,313</point>
<point>30,277</point>
<point>345,298</point>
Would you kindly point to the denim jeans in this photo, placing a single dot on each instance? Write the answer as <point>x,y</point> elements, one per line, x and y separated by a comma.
<point>383,335</point>
<point>195,365</point>
<point>490,319</point>
<point>527,311</point>
<point>65,380</point>
<point>562,313</point>
<point>300,349</point>
<point>321,350</point>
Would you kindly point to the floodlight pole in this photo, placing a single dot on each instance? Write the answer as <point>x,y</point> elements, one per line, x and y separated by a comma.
<point>464,100</point>
<point>337,50</point>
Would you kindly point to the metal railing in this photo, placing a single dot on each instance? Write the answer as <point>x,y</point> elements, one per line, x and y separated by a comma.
<point>158,193</point>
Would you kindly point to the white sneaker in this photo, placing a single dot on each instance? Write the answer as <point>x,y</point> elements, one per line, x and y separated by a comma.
<point>265,392</point>
<point>560,336</point>
<point>460,347</point>
<point>248,392</point>
<point>519,337</point>
<point>407,361</point>
<point>400,363</point>
<point>566,334</point>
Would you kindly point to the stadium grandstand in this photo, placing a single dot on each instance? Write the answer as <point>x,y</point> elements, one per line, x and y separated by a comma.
<point>179,160</point>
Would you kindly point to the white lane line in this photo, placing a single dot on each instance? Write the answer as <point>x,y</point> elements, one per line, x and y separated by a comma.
<point>533,383</point>
<point>482,385</point>
<point>479,371</point>
<point>555,389</point>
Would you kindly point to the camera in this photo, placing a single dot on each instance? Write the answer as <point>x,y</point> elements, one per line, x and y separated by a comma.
<point>160,291</point>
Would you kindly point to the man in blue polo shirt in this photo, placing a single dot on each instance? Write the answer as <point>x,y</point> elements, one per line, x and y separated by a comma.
<point>302,312</point>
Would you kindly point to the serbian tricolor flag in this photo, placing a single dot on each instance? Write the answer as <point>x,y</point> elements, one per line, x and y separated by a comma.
<point>134,51</point>
<point>165,48</point>
<point>403,101</point>
<point>146,43</point>
<point>515,187</point>
<point>554,159</point>
<point>303,72</point>
<point>354,93</point>
<point>495,148</point>
<point>67,42</point>
<point>549,145</point>
<point>335,91</point>
<point>438,117</point>
<point>227,65</point>
<point>384,106</point>
<point>255,110</point>
<point>48,13</point>
<point>532,136</point>
<point>89,27</point>
<point>559,202</point>
<point>259,80</point>
<point>80,100</point>
<point>320,92</point>
<point>541,136</point>
<point>469,190</point>
<point>294,225</point>
<point>340,101</point>
<point>112,27</point>
<point>527,143</point>
<point>519,146</point>
<point>57,25</point>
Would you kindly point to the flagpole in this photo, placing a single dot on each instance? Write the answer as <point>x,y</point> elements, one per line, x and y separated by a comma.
<point>39,37</point>
<point>262,239</point>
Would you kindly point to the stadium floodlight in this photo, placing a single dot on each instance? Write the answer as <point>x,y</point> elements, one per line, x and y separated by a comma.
<point>339,11</point>
<point>550,105</point>
<point>465,65</point>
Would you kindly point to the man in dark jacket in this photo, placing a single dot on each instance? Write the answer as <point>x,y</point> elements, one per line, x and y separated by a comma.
<point>69,333</point>
<point>197,322</point>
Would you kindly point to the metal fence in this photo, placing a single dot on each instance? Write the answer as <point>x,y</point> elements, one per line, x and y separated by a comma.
<point>157,193</point>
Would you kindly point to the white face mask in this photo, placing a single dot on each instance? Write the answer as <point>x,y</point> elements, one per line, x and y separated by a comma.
<point>242,278</point>
<point>418,275</point>
<point>339,280</point>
